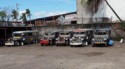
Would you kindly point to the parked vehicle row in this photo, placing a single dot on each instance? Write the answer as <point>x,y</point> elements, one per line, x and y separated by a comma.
<point>78,37</point>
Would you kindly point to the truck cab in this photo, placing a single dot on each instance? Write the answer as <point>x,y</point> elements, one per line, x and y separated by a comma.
<point>101,36</point>
<point>81,37</point>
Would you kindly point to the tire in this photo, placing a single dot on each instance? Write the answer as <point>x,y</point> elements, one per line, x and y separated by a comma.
<point>17,43</point>
<point>57,44</point>
<point>71,46</point>
<point>86,43</point>
<point>83,44</point>
<point>22,44</point>
<point>36,41</point>
<point>67,43</point>
<point>93,45</point>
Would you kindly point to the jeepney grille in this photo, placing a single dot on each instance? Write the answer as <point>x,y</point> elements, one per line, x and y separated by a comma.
<point>61,39</point>
<point>99,40</point>
<point>76,39</point>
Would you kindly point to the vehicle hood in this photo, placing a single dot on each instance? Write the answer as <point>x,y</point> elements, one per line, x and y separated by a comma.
<point>65,36</point>
<point>79,35</point>
<point>100,36</point>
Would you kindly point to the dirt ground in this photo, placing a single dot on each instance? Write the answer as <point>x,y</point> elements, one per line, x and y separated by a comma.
<point>63,57</point>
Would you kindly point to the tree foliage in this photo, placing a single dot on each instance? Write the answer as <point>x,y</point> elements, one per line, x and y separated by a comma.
<point>2,15</point>
<point>14,14</point>
<point>23,17</point>
<point>28,13</point>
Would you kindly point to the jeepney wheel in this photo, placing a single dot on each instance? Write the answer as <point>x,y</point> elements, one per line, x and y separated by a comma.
<point>71,46</point>
<point>36,41</point>
<point>93,45</point>
<point>83,44</point>
<point>67,43</point>
<point>22,43</point>
<point>41,44</point>
<point>86,43</point>
<point>17,43</point>
<point>57,45</point>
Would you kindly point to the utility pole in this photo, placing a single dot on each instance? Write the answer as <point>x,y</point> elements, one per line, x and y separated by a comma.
<point>113,10</point>
<point>17,8</point>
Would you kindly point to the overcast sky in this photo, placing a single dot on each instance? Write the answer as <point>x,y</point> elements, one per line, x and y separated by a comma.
<point>41,8</point>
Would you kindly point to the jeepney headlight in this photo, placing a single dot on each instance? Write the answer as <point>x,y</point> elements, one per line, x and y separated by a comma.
<point>23,38</point>
<point>66,38</point>
<point>71,39</point>
<point>93,39</point>
<point>82,38</point>
<point>87,37</point>
<point>57,38</point>
<point>105,39</point>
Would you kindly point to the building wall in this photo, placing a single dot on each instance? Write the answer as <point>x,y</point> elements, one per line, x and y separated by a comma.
<point>104,11</point>
<point>114,28</point>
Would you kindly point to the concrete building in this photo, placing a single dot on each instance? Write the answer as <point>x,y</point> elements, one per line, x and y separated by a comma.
<point>61,19</point>
<point>104,13</point>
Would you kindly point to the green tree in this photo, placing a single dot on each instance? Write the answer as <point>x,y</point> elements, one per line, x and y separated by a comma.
<point>28,14</point>
<point>2,15</point>
<point>23,17</point>
<point>14,15</point>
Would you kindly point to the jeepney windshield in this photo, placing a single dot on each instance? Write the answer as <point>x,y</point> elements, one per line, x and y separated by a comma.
<point>17,34</point>
<point>79,33</point>
<point>64,33</point>
<point>100,33</point>
<point>45,38</point>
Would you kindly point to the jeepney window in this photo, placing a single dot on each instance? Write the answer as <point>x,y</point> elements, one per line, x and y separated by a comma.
<point>79,32</point>
<point>30,34</point>
<point>82,32</point>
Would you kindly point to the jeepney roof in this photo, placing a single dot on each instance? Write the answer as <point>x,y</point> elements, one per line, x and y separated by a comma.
<point>103,29</point>
<point>25,31</point>
<point>81,30</point>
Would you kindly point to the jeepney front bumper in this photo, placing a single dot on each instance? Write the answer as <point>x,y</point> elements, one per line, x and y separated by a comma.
<point>99,41</point>
<point>75,43</point>
<point>60,42</point>
<point>9,43</point>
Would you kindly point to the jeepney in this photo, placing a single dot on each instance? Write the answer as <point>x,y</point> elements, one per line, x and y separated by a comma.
<point>63,38</point>
<point>47,39</point>
<point>23,37</point>
<point>81,37</point>
<point>101,36</point>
